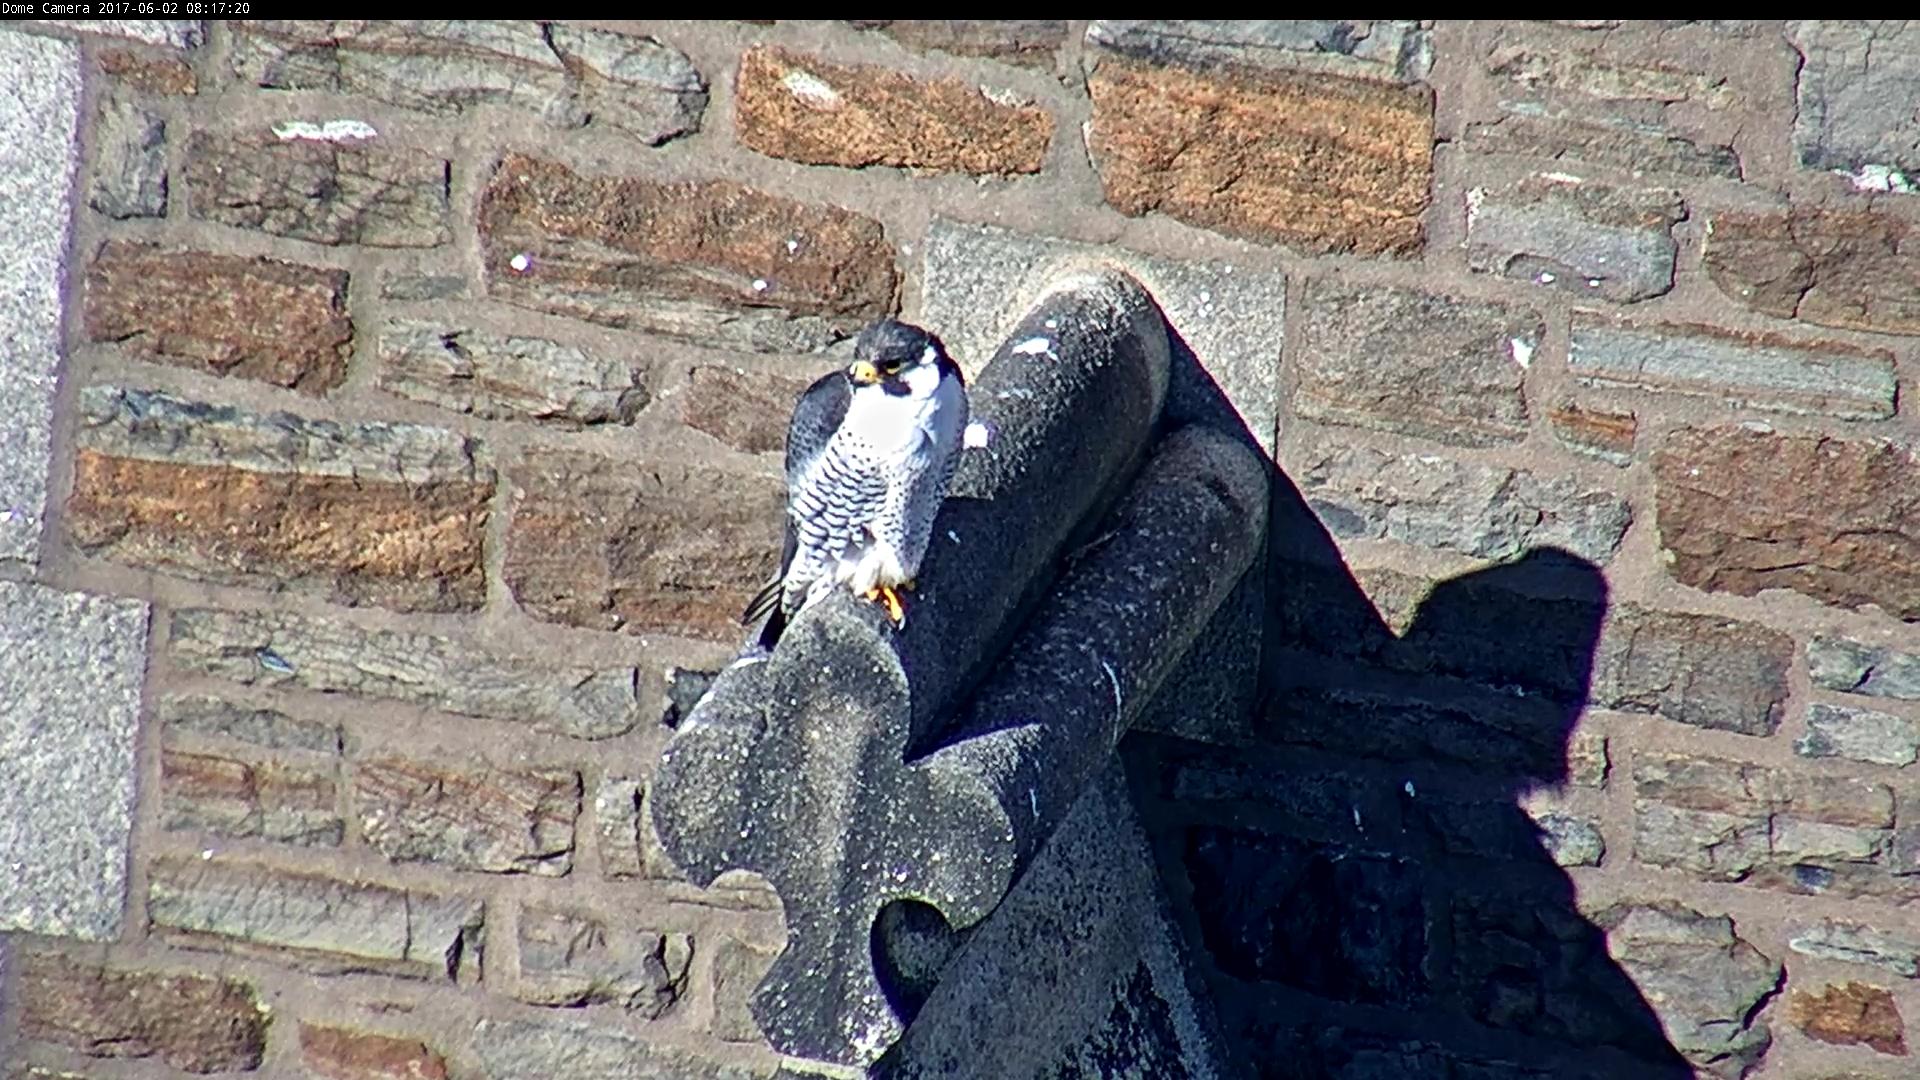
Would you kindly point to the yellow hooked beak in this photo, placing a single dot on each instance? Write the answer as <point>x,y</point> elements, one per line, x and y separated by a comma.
<point>863,371</point>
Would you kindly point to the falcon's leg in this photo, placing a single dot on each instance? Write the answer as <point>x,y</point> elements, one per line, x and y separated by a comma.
<point>886,594</point>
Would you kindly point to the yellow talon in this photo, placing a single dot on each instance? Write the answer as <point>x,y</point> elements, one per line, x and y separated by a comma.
<point>884,594</point>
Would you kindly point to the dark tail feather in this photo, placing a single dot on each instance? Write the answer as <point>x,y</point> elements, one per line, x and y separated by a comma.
<point>776,625</point>
<point>763,601</point>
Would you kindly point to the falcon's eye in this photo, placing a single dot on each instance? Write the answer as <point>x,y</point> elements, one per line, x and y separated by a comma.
<point>892,367</point>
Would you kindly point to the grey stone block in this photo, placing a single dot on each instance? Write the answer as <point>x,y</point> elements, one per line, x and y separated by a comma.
<point>1576,235</point>
<point>1855,943</point>
<point>1067,400</point>
<point>1386,50</point>
<point>564,1051</point>
<point>39,151</point>
<point>178,33</point>
<point>1859,735</point>
<point>1818,379</point>
<point>1857,667</point>
<point>1858,82</point>
<point>70,671</point>
<point>130,175</point>
<point>506,377</point>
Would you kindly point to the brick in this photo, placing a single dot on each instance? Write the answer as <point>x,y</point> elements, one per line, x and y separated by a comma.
<point>1627,149</point>
<point>1415,363</point>
<point>1850,1013</point>
<point>320,923</point>
<point>1026,42</point>
<point>196,1023</point>
<point>709,261</point>
<point>330,656</point>
<point>1857,943</point>
<point>502,821</point>
<point>198,717</point>
<point>807,109</point>
<point>738,968</point>
<point>1701,670</point>
<point>572,1051</point>
<point>746,410</point>
<point>1857,82</point>
<point>617,817</point>
<point>172,33</point>
<point>326,190</point>
<point>1485,511</point>
<point>254,318</point>
<point>1743,370</point>
<point>1384,50</point>
<point>674,549</point>
<point>372,513</point>
<point>402,285</point>
<point>1537,69</point>
<point>1851,266</point>
<point>1859,735</point>
<point>568,76</point>
<point>130,160</point>
<point>1576,235</point>
<point>1744,510</point>
<point>1700,783</point>
<point>1322,163</point>
<point>506,377</point>
<point>338,1053</point>
<point>1837,663</point>
<point>568,959</point>
<point>237,797</point>
<point>166,75</point>
<point>1588,760</point>
<point>1704,982</point>
<point>1596,431</point>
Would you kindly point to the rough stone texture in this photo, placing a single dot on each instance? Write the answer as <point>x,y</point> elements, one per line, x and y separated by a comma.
<point>1744,510</point>
<point>1776,374</point>
<point>1850,1013</point>
<point>327,191</point>
<point>255,318</point>
<point>569,76</point>
<point>1485,511</point>
<point>616,813</point>
<point>1604,433</point>
<point>1324,163</point>
<point>710,261</point>
<point>568,959</point>
<point>39,151</point>
<point>746,410</point>
<point>1854,943</point>
<point>249,798</point>
<point>326,924</point>
<point>208,717</point>
<point>1629,149</point>
<point>1837,663</point>
<point>1026,42</point>
<point>1695,669</point>
<point>70,670</point>
<point>738,967</point>
<point>1705,981</point>
<point>506,377</point>
<point>808,109</point>
<point>1855,266</point>
<point>679,549</point>
<point>1379,49</point>
<point>337,1053</point>
<point>176,33</point>
<point>495,820</point>
<point>130,160</point>
<point>334,657</point>
<point>1857,81</point>
<point>1415,363</point>
<point>171,76</point>
<point>564,1051</point>
<point>402,285</point>
<point>1579,236</point>
<point>207,1024</point>
<point>1227,321</point>
<point>368,513</point>
<point>1859,735</point>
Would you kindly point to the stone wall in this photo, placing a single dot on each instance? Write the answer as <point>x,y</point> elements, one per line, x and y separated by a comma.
<point>389,411</point>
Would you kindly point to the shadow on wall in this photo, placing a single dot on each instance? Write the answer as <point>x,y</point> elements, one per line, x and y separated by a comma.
<point>1358,871</point>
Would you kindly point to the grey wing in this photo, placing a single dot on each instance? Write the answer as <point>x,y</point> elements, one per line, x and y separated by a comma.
<point>833,502</point>
<point>817,414</point>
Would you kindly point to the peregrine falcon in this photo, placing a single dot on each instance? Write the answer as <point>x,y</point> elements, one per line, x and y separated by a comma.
<point>870,452</point>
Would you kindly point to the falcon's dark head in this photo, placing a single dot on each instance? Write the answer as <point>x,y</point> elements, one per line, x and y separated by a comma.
<point>889,352</point>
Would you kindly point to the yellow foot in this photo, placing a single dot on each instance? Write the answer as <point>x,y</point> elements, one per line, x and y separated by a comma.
<point>884,594</point>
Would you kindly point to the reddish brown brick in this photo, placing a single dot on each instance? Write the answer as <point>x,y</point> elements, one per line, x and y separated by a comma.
<point>1744,510</point>
<point>168,75</point>
<point>711,261</point>
<point>672,548</point>
<point>806,109</point>
<point>1323,163</point>
<point>1849,1013</point>
<point>747,411</point>
<point>347,1054</point>
<point>1607,434</point>
<point>192,1022</point>
<point>266,799</point>
<point>256,318</point>
<point>1853,267</point>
